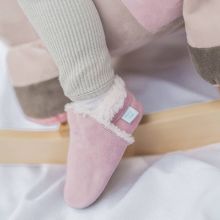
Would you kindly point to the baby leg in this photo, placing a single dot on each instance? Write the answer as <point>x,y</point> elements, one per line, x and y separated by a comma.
<point>103,114</point>
<point>73,33</point>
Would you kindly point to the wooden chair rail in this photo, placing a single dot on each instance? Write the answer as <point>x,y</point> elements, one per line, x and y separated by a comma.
<point>177,129</point>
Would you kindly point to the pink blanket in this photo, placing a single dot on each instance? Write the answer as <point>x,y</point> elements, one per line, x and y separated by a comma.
<point>147,11</point>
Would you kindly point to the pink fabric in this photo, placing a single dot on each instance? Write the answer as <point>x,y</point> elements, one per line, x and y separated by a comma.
<point>30,63</point>
<point>15,28</point>
<point>61,118</point>
<point>155,14</point>
<point>94,154</point>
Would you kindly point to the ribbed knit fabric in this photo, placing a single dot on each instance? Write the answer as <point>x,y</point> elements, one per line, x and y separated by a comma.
<point>73,33</point>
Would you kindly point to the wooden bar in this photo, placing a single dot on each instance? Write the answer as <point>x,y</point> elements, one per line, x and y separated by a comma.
<point>177,129</point>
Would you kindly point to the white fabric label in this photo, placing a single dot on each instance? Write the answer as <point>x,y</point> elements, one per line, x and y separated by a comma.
<point>130,115</point>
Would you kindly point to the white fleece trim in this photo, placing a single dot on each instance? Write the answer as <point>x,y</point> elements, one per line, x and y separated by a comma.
<point>107,109</point>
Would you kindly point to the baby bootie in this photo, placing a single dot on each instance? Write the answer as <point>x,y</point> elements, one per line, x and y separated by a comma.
<point>98,140</point>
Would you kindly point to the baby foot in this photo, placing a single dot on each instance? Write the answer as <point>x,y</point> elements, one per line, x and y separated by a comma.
<point>98,140</point>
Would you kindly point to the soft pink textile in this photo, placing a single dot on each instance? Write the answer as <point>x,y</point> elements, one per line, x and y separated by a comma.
<point>94,153</point>
<point>90,163</point>
<point>15,28</point>
<point>154,14</point>
<point>30,63</point>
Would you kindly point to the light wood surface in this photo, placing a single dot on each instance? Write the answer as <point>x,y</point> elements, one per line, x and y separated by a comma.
<point>177,129</point>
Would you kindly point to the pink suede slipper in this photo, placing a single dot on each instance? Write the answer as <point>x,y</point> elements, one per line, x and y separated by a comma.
<point>98,140</point>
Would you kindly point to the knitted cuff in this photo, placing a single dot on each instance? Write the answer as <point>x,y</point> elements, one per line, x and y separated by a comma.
<point>74,35</point>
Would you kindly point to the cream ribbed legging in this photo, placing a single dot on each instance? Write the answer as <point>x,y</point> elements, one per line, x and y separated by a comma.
<point>73,34</point>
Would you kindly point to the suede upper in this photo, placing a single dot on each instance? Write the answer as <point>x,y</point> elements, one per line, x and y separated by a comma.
<point>95,151</point>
